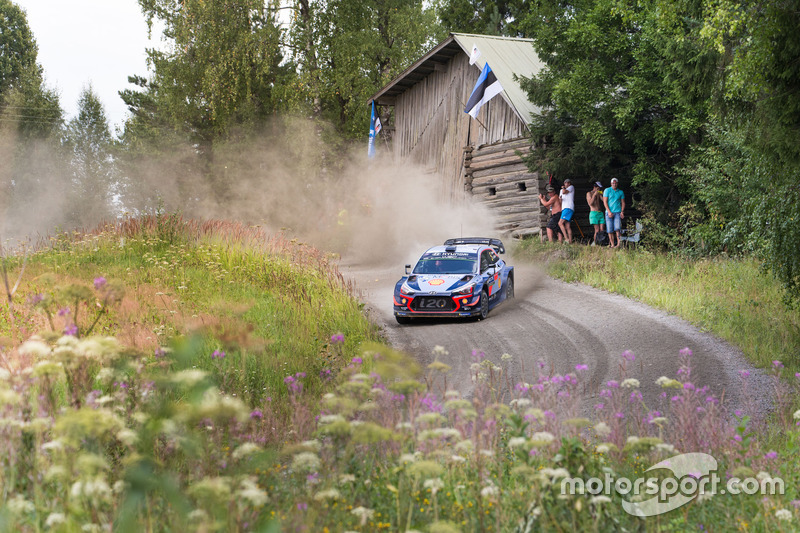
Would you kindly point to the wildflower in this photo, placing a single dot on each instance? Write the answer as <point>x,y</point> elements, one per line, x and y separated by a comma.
<point>99,283</point>
<point>659,420</point>
<point>337,339</point>
<point>542,438</point>
<point>665,447</point>
<point>245,449</point>
<point>327,494</point>
<point>71,330</point>
<point>744,374</point>
<point>250,492</point>
<point>628,355</point>
<point>54,520</point>
<point>777,364</point>
<point>64,311</point>
<point>256,414</point>
<point>521,403</point>
<point>18,505</point>
<point>356,360</point>
<point>763,476</point>
<point>581,367</point>
<point>630,383</point>
<point>612,384</point>
<point>433,484</point>
<point>516,442</point>
<point>796,415</point>
<point>458,459</point>
<point>489,492</point>
<point>363,514</point>
<point>602,448</point>
<point>306,461</point>
<point>686,352</point>
<point>346,478</point>
<point>506,357</point>
<point>599,499</point>
<point>35,348</point>
<point>127,436</point>
<point>439,351</point>
<point>771,455</point>
<point>602,429</point>
<point>599,406</point>
<point>408,458</point>
<point>783,514</point>
<point>218,354</point>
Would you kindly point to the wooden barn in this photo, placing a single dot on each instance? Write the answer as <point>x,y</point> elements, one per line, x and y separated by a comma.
<point>424,122</point>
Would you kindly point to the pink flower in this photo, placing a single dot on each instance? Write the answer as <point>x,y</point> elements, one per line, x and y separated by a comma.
<point>744,374</point>
<point>586,367</point>
<point>218,354</point>
<point>737,438</point>
<point>99,283</point>
<point>256,414</point>
<point>628,355</point>
<point>337,339</point>
<point>777,364</point>
<point>771,455</point>
<point>72,329</point>
<point>357,360</point>
<point>686,352</point>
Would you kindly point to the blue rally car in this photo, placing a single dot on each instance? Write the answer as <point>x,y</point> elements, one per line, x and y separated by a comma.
<point>463,278</point>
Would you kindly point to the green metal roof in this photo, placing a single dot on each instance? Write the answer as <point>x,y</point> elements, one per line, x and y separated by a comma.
<point>507,56</point>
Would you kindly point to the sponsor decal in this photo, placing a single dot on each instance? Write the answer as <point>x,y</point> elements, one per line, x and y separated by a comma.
<point>436,282</point>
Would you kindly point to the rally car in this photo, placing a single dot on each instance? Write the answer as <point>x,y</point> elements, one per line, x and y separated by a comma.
<point>463,278</point>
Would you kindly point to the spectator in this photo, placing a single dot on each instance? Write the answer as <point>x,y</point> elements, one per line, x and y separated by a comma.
<point>567,196</point>
<point>595,201</point>
<point>614,200</point>
<point>554,204</point>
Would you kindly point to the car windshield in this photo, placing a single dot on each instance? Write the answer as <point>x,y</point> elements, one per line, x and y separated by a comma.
<point>436,264</point>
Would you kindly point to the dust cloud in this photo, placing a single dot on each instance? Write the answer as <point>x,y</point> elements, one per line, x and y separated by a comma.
<point>295,176</point>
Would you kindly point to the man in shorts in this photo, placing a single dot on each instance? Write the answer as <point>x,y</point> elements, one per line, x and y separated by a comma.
<point>595,200</point>
<point>614,200</point>
<point>553,202</point>
<point>567,196</point>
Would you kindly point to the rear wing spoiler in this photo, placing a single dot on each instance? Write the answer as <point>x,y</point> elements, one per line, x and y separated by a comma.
<point>497,244</point>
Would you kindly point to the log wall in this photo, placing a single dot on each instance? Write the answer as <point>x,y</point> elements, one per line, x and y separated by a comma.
<point>496,176</point>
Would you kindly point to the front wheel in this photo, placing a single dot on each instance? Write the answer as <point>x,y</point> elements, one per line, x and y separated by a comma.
<point>484,306</point>
<point>510,288</point>
<point>402,319</point>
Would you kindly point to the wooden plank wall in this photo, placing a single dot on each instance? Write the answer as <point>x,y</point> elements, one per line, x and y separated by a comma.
<point>432,130</point>
<point>496,175</point>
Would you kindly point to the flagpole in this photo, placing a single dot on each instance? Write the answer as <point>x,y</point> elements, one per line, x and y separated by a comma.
<point>476,118</point>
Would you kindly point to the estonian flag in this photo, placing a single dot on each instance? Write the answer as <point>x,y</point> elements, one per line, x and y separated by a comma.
<point>486,88</point>
<point>371,147</point>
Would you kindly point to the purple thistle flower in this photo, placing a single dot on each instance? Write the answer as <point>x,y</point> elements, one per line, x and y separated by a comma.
<point>99,283</point>
<point>159,352</point>
<point>72,329</point>
<point>688,386</point>
<point>288,380</point>
<point>357,360</point>
<point>64,311</point>
<point>605,393</point>
<point>599,406</point>
<point>771,455</point>
<point>737,438</point>
<point>563,394</point>
<point>478,356</point>
<point>300,375</point>
<point>612,384</point>
<point>636,395</point>
<point>337,339</point>
<point>581,367</point>
<point>256,413</point>
<point>619,414</point>
<point>218,354</point>
<point>796,504</point>
<point>777,364</point>
<point>797,375</point>
<point>35,299</point>
<point>302,506</point>
<point>676,399</point>
<point>744,374</point>
<point>628,355</point>
<point>738,412</point>
<point>312,478</point>
<point>550,414</point>
<point>686,352</point>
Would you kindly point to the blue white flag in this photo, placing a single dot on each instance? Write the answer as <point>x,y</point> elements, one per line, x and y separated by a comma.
<point>486,88</point>
<point>371,147</point>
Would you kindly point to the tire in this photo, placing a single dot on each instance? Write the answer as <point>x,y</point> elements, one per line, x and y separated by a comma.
<point>510,288</point>
<point>484,306</point>
<point>402,319</point>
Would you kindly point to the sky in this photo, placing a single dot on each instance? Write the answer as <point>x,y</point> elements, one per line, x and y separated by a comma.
<point>82,42</point>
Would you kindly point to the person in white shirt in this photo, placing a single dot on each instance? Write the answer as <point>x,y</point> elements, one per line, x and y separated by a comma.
<point>567,196</point>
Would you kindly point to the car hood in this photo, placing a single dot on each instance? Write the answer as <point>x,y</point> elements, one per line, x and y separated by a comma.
<point>438,282</point>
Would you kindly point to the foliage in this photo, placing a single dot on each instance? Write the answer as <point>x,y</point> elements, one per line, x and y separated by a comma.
<point>17,48</point>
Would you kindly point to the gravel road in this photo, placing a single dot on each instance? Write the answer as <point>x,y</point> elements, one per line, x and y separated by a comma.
<point>565,324</point>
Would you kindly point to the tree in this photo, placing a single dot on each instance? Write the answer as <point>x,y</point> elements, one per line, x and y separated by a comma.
<point>88,140</point>
<point>17,48</point>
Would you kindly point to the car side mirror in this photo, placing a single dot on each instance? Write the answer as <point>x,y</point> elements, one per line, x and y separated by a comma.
<point>407,269</point>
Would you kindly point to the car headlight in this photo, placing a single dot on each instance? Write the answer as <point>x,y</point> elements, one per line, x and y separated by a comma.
<point>405,289</point>
<point>465,290</point>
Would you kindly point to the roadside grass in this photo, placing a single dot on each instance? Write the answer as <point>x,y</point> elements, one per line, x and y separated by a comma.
<point>272,305</point>
<point>117,433</point>
<point>731,298</point>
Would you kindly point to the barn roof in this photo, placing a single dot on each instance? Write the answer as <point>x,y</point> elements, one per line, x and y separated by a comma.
<point>506,55</point>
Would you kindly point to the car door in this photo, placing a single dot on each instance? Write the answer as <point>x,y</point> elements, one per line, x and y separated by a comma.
<point>488,271</point>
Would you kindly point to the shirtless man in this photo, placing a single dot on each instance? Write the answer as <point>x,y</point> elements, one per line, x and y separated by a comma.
<point>596,217</point>
<point>554,204</point>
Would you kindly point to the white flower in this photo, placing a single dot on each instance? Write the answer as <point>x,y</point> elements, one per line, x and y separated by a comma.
<point>407,458</point>
<point>434,484</point>
<point>440,351</point>
<point>659,420</point>
<point>633,439</point>
<point>330,419</point>
<point>506,357</point>
<point>630,383</point>
<point>464,446</point>
<point>542,437</point>
<point>127,436</point>
<point>602,448</point>
<point>54,520</point>
<point>346,478</point>
<point>306,461</point>
<point>522,403</point>
<point>665,447</point>
<point>5,375</point>
<point>189,377</point>
<point>245,449</point>
<point>53,445</point>
<point>19,505</point>
<point>35,348</point>
<point>328,494</point>
<point>197,515</point>
<point>797,415</point>
<point>489,492</point>
<point>599,499</point>
<point>363,513</point>
<point>403,426</point>
<point>458,459</point>
<point>252,493</point>
<point>783,514</point>
<point>487,453</point>
<point>602,429</point>
<point>452,394</point>
<point>556,473</point>
<point>516,442</point>
<point>662,381</point>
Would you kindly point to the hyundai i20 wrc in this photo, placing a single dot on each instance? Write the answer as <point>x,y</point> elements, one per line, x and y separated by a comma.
<point>463,278</point>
